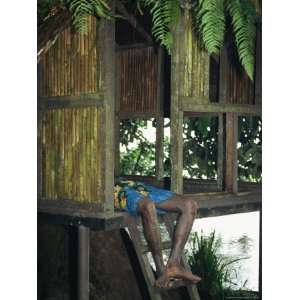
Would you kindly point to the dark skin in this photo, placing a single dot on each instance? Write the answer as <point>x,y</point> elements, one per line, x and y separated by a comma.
<point>187,210</point>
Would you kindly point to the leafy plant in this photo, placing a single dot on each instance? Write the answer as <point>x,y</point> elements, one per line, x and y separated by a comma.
<point>164,15</point>
<point>209,21</point>
<point>250,149</point>
<point>81,9</point>
<point>218,272</point>
<point>243,16</point>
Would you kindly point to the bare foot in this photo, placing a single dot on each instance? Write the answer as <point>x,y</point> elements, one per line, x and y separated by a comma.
<point>175,271</point>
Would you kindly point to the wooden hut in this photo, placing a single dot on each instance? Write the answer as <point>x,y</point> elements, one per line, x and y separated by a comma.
<point>88,83</point>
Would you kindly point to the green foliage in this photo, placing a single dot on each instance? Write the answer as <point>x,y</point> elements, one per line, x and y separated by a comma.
<point>209,18</point>
<point>250,149</point>
<point>140,158</point>
<point>243,15</point>
<point>165,14</point>
<point>81,9</point>
<point>218,272</point>
<point>209,23</point>
<point>200,147</point>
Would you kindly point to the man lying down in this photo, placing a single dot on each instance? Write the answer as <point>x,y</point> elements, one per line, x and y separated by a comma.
<point>147,201</point>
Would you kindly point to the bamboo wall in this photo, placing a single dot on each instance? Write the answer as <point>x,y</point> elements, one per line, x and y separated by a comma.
<point>69,67</point>
<point>195,64</point>
<point>138,87</point>
<point>71,163</point>
<point>240,88</point>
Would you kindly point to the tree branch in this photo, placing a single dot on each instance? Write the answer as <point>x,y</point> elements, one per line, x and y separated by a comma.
<point>133,21</point>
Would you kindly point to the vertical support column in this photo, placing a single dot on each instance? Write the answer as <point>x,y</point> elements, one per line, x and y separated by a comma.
<point>39,153</point>
<point>221,152</point>
<point>176,112</point>
<point>223,78</point>
<point>260,254</point>
<point>83,262</point>
<point>106,75</point>
<point>258,65</point>
<point>231,166</point>
<point>117,114</point>
<point>159,146</point>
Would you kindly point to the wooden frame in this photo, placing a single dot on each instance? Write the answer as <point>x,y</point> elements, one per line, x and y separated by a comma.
<point>106,54</point>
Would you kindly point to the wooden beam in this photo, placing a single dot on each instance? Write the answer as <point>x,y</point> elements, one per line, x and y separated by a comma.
<point>133,46</point>
<point>176,129</point>
<point>106,74</point>
<point>193,104</point>
<point>159,145</point>
<point>39,153</point>
<point>140,115</point>
<point>117,116</point>
<point>83,100</point>
<point>221,152</point>
<point>133,21</point>
<point>231,167</point>
<point>258,66</point>
<point>223,76</point>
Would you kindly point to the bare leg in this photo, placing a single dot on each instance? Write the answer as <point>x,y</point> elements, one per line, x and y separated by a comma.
<point>151,231</point>
<point>187,209</point>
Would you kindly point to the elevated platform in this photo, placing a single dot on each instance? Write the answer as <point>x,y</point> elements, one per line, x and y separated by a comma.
<point>73,213</point>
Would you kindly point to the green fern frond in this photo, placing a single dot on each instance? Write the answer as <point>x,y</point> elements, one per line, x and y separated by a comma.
<point>243,17</point>
<point>81,9</point>
<point>209,23</point>
<point>165,14</point>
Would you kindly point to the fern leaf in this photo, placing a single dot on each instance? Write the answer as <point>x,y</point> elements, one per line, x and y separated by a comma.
<point>243,17</point>
<point>209,23</point>
<point>81,9</point>
<point>164,13</point>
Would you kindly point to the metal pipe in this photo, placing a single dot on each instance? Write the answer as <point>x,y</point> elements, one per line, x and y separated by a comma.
<point>83,262</point>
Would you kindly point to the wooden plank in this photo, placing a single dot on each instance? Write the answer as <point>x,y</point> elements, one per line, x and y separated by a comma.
<point>138,115</point>
<point>159,145</point>
<point>74,213</point>
<point>191,288</point>
<point>39,153</point>
<point>143,260</point>
<point>133,46</point>
<point>70,101</point>
<point>177,59</point>
<point>193,104</point>
<point>221,148</point>
<point>106,56</point>
<point>223,77</point>
<point>117,117</point>
<point>258,65</point>
<point>231,165</point>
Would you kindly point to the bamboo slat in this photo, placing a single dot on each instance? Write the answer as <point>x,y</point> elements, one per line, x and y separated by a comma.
<point>196,64</point>
<point>71,149</point>
<point>69,65</point>
<point>138,86</point>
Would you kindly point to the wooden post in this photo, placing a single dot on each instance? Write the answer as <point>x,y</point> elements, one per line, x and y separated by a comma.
<point>159,151</point>
<point>106,67</point>
<point>39,153</point>
<point>223,78</point>
<point>231,166</point>
<point>176,112</point>
<point>260,254</point>
<point>117,114</point>
<point>221,148</point>
<point>83,262</point>
<point>258,66</point>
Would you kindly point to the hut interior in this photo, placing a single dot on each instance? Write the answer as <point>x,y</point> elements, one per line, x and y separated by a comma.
<point>88,84</point>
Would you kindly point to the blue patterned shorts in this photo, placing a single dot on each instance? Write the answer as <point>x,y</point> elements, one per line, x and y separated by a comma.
<point>155,194</point>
